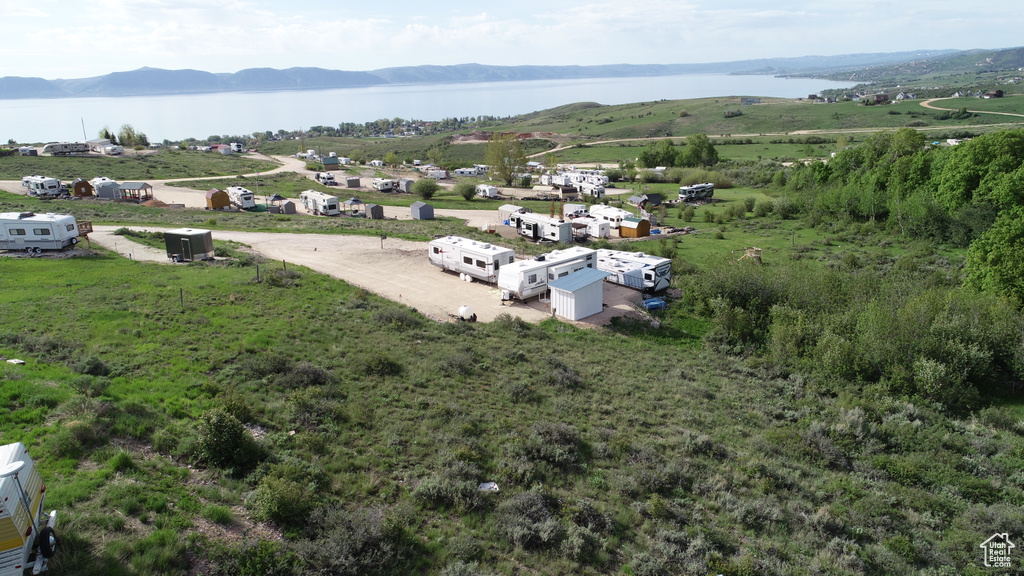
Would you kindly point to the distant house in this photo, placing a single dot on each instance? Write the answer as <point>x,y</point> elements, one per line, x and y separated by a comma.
<point>958,94</point>
<point>906,96</point>
<point>377,163</point>
<point>993,94</point>
<point>880,98</point>
<point>221,148</point>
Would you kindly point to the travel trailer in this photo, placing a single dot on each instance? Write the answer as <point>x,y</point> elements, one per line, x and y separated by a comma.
<point>63,148</point>
<point>37,232</point>
<point>486,191</point>
<point>635,269</point>
<point>613,216</point>
<point>477,259</point>
<point>241,197</point>
<point>325,178</point>
<point>28,530</point>
<point>595,191</point>
<point>320,204</point>
<point>527,278</point>
<point>42,186</point>
<point>541,227</point>
<point>384,185</point>
<point>697,192</point>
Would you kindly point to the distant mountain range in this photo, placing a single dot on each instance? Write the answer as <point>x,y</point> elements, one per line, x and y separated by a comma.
<point>156,81</point>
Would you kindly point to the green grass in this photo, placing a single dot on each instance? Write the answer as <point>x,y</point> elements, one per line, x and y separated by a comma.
<point>159,165</point>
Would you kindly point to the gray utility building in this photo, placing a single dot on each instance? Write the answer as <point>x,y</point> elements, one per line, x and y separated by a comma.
<point>188,244</point>
<point>422,211</point>
<point>579,294</point>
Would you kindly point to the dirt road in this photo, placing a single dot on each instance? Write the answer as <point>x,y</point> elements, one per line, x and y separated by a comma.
<point>399,271</point>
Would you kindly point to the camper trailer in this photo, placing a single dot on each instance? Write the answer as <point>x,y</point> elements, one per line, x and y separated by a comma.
<point>477,259</point>
<point>613,216</point>
<point>241,197</point>
<point>541,227</point>
<point>188,244</point>
<point>595,191</point>
<point>697,192</point>
<point>37,232</point>
<point>42,186</point>
<point>112,150</point>
<point>64,148</point>
<point>27,529</point>
<point>384,185</point>
<point>527,278</point>
<point>325,178</point>
<point>320,204</point>
<point>635,269</point>
<point>486,191</point>
<point>235,146</point>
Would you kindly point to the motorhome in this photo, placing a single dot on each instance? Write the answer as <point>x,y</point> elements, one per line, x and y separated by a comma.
<point>384,185</point>
<point>37,232</point>
<point>241,197</point>
<point>319,203</point>
<point>528,278</point>
<point>42,186</point>
<point>63,148</point>
<point>28,530</point>
<point>541,227</point>
<point>696,192</point>
<point>325,178</point>
<point>477,259</point>
<point>635,269</point>
<point>613,216</point>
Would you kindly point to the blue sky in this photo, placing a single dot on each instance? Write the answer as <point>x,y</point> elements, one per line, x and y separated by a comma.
<point>81,38</point>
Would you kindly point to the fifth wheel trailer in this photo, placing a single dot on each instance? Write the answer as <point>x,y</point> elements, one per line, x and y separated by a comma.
<point>320,204</point>
<point>635,269</point>
<point>528,278</point>
<point>37,232</point>
<point>477,259</point>
<point>241,197</point>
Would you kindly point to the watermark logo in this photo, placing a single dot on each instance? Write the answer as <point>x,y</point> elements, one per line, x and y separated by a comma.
<point>997,550</point>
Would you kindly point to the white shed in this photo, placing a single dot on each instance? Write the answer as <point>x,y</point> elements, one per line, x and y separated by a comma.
<point>578,295</point>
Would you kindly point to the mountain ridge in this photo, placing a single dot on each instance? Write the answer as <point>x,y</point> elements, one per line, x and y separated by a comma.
<point>148,81</point>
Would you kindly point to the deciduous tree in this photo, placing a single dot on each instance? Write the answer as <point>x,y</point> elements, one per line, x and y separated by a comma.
<point>506,157</point>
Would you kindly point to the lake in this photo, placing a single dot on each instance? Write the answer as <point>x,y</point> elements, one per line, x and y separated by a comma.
<point>237,113</point>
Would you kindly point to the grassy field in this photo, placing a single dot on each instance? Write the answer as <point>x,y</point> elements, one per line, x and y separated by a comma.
<point>159,165</point>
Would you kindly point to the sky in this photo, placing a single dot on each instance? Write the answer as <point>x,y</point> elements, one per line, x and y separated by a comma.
<point>82,38</point>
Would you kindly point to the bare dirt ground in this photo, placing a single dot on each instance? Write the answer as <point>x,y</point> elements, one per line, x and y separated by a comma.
<point>399,271</point>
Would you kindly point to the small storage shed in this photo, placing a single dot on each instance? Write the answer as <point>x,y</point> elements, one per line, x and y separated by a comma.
<point>422,211</point>
<point>286,207</point>
<point>108,189</point>
<point>330,163</point>
<point>352,181</point>
<point>188,244</point>
<point>405,185</point>
<point>81,188</point>
<point>138,191</point>
<point>217,199</point>
<point>578,295</point>
<point>634,228</point>
<point>374,211</point>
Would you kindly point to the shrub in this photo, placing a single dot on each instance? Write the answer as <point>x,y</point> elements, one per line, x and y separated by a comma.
<point>91,366</point>
<point>224,442</point>
<point>749,202</point>
<point>378,364</point>
<point>356,542</point>
<point>254,558</point>
<point>305,375</point>
<point>282,501</point>
<point>465,189</point>
<point>218,514</point>
<point>425,188</point>
<point>762,208</point>
<point>90,386</point>
<point>528,521</point>
<point>460,568</point>
<point>456,485</point>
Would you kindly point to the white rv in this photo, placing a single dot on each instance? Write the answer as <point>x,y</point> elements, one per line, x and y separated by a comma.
<point>697,192</point>
<point>112,150</point>
<point>635,269</point>
<point>465,256</point>
<point>26,526</point>
<point>42,186</point>
<point>320,204</point>
<point>466,172</point>
<point>528,278</point>
<point>437,173</point>
<point>384,185</point>
<point>62,148</point>
<point>325,178</point>
<point>613,216</point>
<point>595,191</point>
<point>236,146</point>
<point>37,232</point>
<point>241,197</point>
<point>542,227</point>
<point>486,191</point>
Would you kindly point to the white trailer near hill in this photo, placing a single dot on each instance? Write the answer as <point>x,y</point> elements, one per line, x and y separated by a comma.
<point>635,269</point>
<point>541,227</point>
<point>42,186</point>
<point>384,185</point>
<point>486,191</point>
<point>696,192</point>
<point>526,278</point>
<point>65,148</point>
<point>479,260</point>
<point>37,232</point>
<point>610,214</point>
<point>241,197</point>
<point>26,527</point>
<point>319,203</point>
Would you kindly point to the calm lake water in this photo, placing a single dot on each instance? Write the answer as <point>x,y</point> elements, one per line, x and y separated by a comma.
<point>201,115</point>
